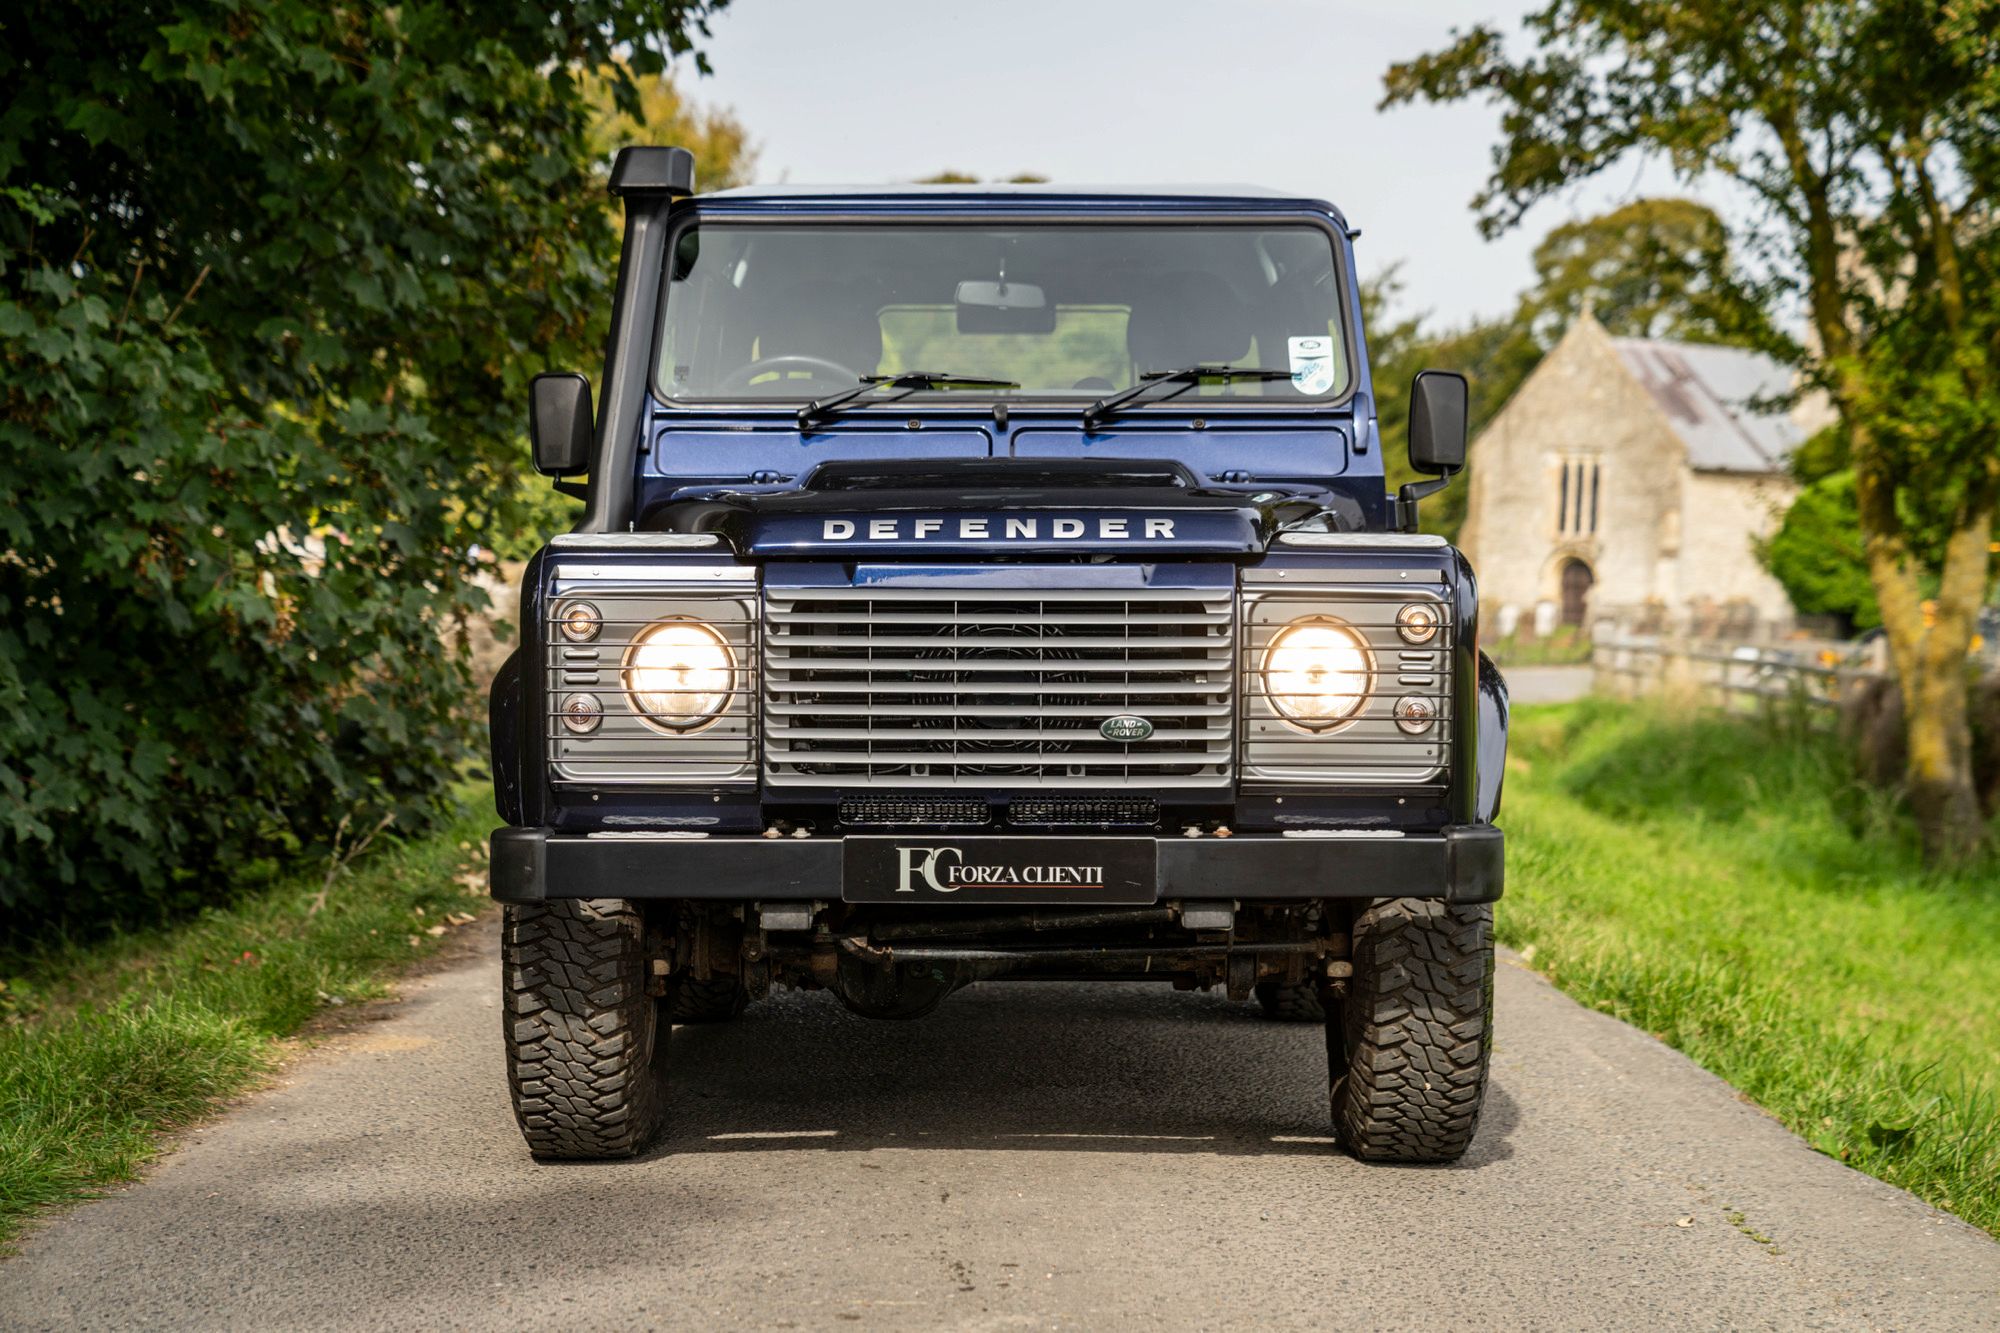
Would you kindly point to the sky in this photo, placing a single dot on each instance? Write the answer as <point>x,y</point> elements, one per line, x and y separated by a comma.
<point>1280,93</point>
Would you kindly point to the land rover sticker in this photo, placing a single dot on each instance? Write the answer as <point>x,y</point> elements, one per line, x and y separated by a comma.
<point>1312,364</point>
<point>1125,727</point>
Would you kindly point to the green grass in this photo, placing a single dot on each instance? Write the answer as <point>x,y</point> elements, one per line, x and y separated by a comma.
<point>107,1047</point>
<point>1568,645</point>
<point>1724,885</point>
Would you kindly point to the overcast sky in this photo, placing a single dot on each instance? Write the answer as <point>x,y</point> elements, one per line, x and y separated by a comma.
<point>1271,92</point>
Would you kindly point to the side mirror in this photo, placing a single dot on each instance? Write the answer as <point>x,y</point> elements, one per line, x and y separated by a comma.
<point>1439,402</point>
<point>559,424</point>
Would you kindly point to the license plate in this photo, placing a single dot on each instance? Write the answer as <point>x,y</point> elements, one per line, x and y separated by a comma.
<point>939,869</point>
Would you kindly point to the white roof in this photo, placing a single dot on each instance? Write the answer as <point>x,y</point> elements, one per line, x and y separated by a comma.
<point>1729,406</point>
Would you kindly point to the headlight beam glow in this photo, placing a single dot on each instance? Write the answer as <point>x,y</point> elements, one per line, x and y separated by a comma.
<point>1317,672</point>
<point>679,675</point>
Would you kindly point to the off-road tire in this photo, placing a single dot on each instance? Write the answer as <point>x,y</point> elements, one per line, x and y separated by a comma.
<point>1408,1042</point>
<point>716,1000</point>
<point>586,1046</point>
<point>1290,1002</point>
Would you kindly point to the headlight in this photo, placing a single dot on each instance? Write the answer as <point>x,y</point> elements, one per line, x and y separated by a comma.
<point>679,674</point>
<point>1316,672</point>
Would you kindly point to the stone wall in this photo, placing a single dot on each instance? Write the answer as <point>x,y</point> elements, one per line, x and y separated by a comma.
<point>1581,403</point>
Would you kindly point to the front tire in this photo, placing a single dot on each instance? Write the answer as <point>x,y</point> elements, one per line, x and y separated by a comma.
<point>1408,1043</point>
<point>586,1047</point>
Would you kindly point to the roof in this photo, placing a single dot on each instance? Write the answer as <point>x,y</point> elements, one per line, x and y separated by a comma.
<point>1258,192</point>
<point>1027,198</point>
<point>1729,406</point>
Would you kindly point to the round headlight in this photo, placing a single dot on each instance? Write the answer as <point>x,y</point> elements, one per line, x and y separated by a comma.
<point>1316,673</point>
<point>580,621</point>
<point>679,674</point>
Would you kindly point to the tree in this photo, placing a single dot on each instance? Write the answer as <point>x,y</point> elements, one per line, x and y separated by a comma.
<point>724,154</point>
<point>1493,355</point>
<point>273,278</point>
<point>1867,135</point>
<point>1817,554</point>
<point>1654,268</point>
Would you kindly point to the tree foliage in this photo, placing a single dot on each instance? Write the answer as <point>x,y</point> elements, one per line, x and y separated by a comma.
<point>273,277</point>
<point>1816,554</point>
<point>1867,133</point>
<point>1654,268</point>
<point>725,156</point>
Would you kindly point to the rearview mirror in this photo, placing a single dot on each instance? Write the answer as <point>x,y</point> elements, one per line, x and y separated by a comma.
<point>1438,407</point>
<point>559,423</point>
<point>1004,307</point>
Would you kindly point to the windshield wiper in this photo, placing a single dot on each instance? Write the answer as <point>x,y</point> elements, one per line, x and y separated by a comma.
<point>910,381</point>
<point>1185,378</point>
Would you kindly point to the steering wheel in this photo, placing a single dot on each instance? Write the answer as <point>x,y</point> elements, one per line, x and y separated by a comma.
<point>818,366</point>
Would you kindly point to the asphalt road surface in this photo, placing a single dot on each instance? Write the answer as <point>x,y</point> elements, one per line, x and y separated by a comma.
<point>1029,1157</point>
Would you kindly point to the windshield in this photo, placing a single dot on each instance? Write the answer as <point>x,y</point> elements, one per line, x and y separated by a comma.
<point>791,312</point>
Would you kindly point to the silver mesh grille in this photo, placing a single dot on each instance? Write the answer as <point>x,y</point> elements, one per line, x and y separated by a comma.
<point>997,686</point>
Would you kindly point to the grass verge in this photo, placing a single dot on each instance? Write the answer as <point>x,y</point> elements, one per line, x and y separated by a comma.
<point>107,1047</point>
<point>1725,886</point>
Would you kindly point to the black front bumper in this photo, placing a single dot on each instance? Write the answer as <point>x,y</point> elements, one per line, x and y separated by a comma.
<point>1462,864</point>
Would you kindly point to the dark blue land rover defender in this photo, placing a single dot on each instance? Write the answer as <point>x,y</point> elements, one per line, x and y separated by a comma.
<point>982,584</point>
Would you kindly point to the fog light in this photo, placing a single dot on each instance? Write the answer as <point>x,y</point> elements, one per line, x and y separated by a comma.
<point>1418,622</point>
<point>580,622</point>
<point>581,713</point>
<point>1415,714</point>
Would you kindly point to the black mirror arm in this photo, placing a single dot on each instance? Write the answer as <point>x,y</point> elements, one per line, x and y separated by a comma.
<point>576,490</point>
<point>1412,492</point>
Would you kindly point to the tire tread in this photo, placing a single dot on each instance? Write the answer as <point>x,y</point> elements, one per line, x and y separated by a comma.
<point>1416,1031</point>
<point>584,1043</point>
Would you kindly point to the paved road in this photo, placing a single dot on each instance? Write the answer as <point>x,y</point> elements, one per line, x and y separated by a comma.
<point>1054,1157</point>
<point>1546,684</point>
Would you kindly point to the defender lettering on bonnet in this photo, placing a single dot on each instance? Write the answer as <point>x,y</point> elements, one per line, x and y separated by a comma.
<point>1027,529</point>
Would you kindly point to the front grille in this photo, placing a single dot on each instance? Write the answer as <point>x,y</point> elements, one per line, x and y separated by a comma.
<point>1083,812</point>
<point>914,812</point>
<point>1002,682</point>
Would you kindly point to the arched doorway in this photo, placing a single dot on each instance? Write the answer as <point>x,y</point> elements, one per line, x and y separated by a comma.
<point>1576,582</point>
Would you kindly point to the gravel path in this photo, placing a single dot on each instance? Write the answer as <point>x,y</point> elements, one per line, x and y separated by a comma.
<point>1053,1157</point>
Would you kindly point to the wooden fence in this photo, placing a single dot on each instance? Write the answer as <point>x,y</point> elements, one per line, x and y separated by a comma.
<point>1734,677</point>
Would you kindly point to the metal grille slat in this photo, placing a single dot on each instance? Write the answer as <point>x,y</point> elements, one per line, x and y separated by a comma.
<point>999,683</point>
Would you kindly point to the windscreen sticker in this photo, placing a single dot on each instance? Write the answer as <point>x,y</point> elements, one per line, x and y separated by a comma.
<point>1312,364</point>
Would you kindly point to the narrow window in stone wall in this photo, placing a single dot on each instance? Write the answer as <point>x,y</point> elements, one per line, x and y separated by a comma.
<point>1577,489</point>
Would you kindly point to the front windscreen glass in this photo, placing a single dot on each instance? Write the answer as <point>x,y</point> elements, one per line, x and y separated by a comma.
<point>790,312</point>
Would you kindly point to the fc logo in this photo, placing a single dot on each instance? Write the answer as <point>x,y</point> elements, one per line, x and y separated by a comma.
<point>923,861</point>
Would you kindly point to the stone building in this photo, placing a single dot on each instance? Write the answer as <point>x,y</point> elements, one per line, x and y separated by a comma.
<point>1628,479</point>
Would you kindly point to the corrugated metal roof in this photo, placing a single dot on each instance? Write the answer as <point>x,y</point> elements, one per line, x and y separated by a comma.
<point>1727,404</point>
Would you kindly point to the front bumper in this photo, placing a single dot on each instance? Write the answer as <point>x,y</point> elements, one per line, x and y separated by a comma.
<point>1461,864</point>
